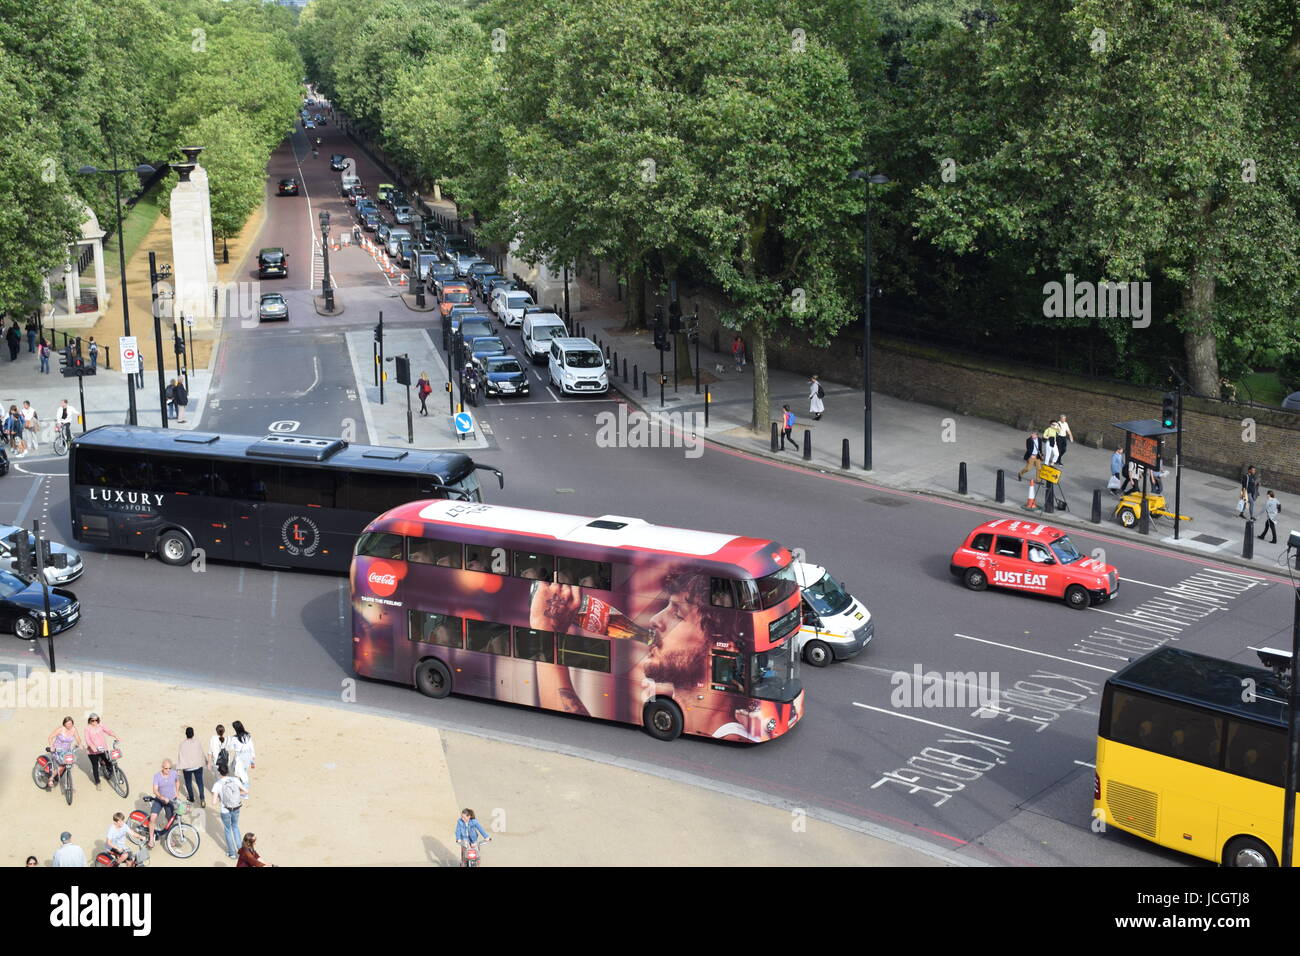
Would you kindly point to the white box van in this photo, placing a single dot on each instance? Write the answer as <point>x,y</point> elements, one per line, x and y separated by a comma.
<point>539,329</point>
<point>836,625</point>
<point>577,367</point>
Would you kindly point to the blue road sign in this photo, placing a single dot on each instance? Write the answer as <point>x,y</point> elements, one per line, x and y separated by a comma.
<point>464,423</point>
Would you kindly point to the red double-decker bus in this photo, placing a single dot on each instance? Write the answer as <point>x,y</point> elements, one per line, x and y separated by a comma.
<point>677,631</point>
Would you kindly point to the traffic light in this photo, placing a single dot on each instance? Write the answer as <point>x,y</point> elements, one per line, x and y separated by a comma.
<point>1169,410</point>
<point>674,318</point>
<point>403,370</point>
<point>379,332</point>
<point>23,554</point>
<point>67,361</point>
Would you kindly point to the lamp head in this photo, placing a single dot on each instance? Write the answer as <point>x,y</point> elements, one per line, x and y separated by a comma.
<point>87,171</point>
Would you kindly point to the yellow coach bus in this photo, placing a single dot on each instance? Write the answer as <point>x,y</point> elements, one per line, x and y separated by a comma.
<point>1191,754</point>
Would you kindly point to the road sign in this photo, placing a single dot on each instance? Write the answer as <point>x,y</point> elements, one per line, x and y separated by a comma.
<point>1049,474</point>
<point>130,354</point>
<point>189,321</point>
<point>464,423</point>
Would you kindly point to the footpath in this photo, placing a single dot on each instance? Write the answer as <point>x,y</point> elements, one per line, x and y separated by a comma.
<point>341,785</point>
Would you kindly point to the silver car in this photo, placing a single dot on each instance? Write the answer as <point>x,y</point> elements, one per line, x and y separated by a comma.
<point>272,307</point>
<point>402,214</point>
<point>464,260</point>
<point>65,563</point>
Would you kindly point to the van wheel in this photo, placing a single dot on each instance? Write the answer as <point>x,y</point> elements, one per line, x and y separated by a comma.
<point>1247,851</point>
<point>433,679</point>
<point>817,653</point>
<point>662,719</point>
<point>975,579</point>
<point>1076,595</point>
<point>174,548</point>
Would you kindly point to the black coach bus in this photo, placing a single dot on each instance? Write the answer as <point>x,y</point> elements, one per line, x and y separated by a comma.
<point>283,500</point>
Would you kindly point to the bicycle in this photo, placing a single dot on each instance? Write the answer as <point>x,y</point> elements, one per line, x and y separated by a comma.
<point>62,437</point>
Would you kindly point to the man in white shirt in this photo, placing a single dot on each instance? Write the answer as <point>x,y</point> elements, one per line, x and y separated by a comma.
<point>67,417</point>
<point>68,853</point>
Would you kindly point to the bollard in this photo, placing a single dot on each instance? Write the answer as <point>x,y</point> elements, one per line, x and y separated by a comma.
<point>1000,491</point>
<point>1248,544</point>
<point>961,478</point>
<point>636,374</point>
<point>807,446</point>
<point>707,400</point>
<point>625,369</point>
<point>774,437</point>
<point>614,362</point>
<point>645,384</point>
<point>1144,517</point>
<point>844,454</point>
<point>1049,498</point>
<point>1096,506</point>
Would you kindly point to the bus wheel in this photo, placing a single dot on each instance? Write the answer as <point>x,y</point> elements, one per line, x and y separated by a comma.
<point>432,678</point>
<point>1247,851</point>
<point>1076,595</point>
<point>975,579</point>
<point>663,721</point>
<point>817,653</point>
<point>174,548</point>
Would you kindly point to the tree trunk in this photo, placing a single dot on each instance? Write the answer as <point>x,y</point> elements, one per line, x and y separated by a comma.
<point>756,345</point>
<point>1198,337</point>
<point>635,295</point>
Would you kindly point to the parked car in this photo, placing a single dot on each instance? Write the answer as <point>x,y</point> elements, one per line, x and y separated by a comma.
<point>503,375</point>
<point>403,214</point>
<point>272,263</point>
<point>22,605</point>
<point>1034,557</point>
<point>288,186</point>
<point>338,162</point>
<point>272,308</point>
<point>65,563</point>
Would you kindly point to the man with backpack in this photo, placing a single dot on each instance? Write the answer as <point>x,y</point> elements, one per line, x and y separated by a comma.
<point>815,395</point>
<point>229,794</point>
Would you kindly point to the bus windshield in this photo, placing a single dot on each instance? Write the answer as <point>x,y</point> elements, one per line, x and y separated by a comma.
<point>774,672</point>
<point>775,588</point>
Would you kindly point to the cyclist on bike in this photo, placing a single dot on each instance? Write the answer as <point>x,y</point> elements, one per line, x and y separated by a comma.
<point>165,786</point>
<point>66,416</point>
<point>64,740</point>
<point>469,832</point>
<point>120,841</point>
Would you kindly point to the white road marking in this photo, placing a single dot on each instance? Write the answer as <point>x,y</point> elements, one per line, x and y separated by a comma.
<point>1084,763</point>
<point>919,720</point>
<point>1025,650</point>
<point>315,361</point>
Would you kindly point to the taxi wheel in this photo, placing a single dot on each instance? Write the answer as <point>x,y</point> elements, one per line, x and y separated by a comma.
<point>975,579</point>
<point>1077,597</point>
<point>817,653</point>
<point>1127,517</point>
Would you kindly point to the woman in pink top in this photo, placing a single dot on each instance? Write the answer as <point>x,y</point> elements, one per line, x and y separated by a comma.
<point>98,739</point>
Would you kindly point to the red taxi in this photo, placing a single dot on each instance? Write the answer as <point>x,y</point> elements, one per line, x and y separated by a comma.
<point>1028,556</point>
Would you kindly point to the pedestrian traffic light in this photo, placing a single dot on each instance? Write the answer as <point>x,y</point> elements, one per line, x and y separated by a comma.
<point>1169,410</point>
<point>403,370</point>
<point>23,557</point>
<point>379,332</point>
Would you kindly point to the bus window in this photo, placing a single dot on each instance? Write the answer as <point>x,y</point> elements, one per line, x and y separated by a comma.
<point>587,574</point>
<point>375,493</point>
<point>182,477</point>
<point>444,554</point>
<point>241,479</point>
<point>113,469</point>
<point>1256,752</point>
<point>377,544</point>
<point>721,593</point>
<point>1162,727</point>
<point>746,594</point>
<point>728,673</point>
<point>435,629</point>
<point>303,486</point>
<point>482,558</point>
<point>535,567</point>
<point>589,653</point>
<point>487,637</point>
<point>531,645</point>
<point>777,587</point>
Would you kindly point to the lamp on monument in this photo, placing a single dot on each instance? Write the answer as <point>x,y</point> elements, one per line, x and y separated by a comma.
<point>192,153</point>
<point>183,170</point>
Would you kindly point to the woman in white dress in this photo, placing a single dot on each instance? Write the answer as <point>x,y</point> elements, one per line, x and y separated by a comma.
<point>815,406</point>
<point>244,757</point>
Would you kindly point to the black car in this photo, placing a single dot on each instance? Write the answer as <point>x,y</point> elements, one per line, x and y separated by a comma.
<point>370,221</point>
<point>505,376</point>
<point>440,272</point>
<point>452,246</point>
<point>272,263</point>
<point>404,252</point>
<point>22,605</point>
<point>381,233</point>
<point>395,198</point>
<point>338,162</point>
<point>289,187</point>
<point>482,282</point>
<point>471,329</point>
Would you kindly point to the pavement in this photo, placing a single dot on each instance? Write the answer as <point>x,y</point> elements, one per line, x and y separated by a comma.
<point>341,785</point>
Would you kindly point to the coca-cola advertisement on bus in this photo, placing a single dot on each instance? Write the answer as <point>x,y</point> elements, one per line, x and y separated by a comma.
<point>582,634</point>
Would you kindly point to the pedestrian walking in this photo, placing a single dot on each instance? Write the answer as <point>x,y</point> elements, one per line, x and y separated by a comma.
<point>1250,484</point>
<point>93,348</point>
<point>1063,437</point>
<point>44,352</point>
<point>68,853</point>
<point>1049,443</point>
<point>424,389</point>
<point>738,352</point>
<point>1158,479</point>
<point>228,794</point>
<point>182,399</point>
<point>243,756</point>
<point>14,428</point>
<point>31,335</point>
<point>190,759</point>
<point>171,398</point>
<point>787,427</point>
<point>1134,480</point>
<point>31,426</point>
<point>1033,456</point>
<point>15,339</point>
<point>1272,508</point>
<point>97,746</point>
<point>815,395</point>
<point>1116,472</point>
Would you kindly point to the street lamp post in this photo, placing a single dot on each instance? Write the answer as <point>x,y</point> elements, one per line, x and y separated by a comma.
<point>327,290</point>
<point>1293,721</point>
<point>155,274</point>
<point>868,180</point>
<point>142,170</point>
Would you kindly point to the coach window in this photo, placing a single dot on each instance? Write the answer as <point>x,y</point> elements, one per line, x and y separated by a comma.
<point>178,477</point>
<point>435,629</point>
<point>588,653</point>
<point>534,566</point>
<point>982,542</point>
<point>375,493</point>
<point>480,557</point>
<point>587,574</point>
<point>304,486</point>
<point>444,554</point>
<point>531,645</point>
<point>114,469</point>
<point>241,479</point>
<point>487,637</point>
<point>379,544</point>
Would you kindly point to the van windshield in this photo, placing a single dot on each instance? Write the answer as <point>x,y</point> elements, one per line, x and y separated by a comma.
<point>827,596</point>
<point>544,333</point>
<point>587,358</point>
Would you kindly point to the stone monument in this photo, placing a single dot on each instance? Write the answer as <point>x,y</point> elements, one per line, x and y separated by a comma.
<point>193,271</point>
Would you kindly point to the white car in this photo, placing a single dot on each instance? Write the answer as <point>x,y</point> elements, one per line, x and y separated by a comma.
<point>65,563</point>
<point>509,306</point>
<point>463,261</point>
<point>836,625</point>
<point>577,367</point>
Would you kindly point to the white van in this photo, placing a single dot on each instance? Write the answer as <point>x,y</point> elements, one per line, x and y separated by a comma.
<point>577,367</point>
<point>348,178</point>
<point>509,306</point>
<point>836,625</point>
<point>539,329</point>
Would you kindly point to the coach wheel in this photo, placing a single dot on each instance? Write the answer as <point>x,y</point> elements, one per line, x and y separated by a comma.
<point>817,653</point>
<point>663,720</point>
<point>1247,851</point>
<point>1077,597</point>
<point>1127,517</point>
<point>975,579</point>
<point>174,548</point>
<point>433,679</point>
<point>26,628</point>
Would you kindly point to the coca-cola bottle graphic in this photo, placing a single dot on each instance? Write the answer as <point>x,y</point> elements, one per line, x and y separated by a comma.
<point>601,617</point>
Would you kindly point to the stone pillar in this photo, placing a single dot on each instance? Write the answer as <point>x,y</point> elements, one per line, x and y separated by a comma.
<point>101,287</point>
<point>191,244</point>
<point>199,176</point>
<point>69,284</point>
